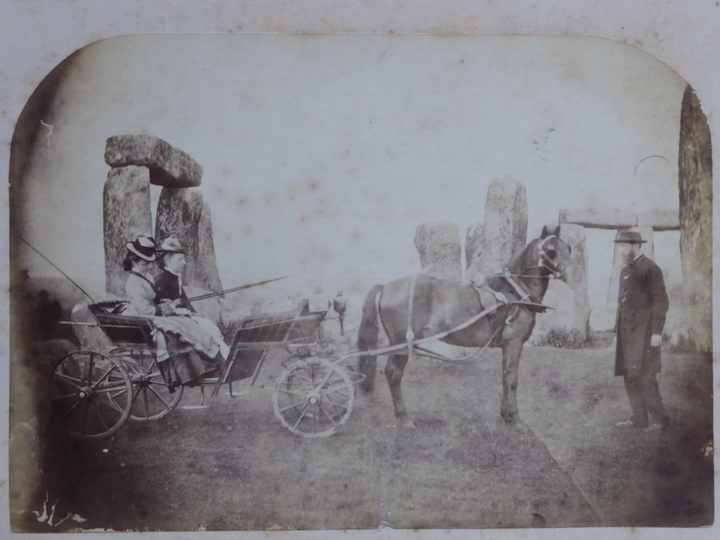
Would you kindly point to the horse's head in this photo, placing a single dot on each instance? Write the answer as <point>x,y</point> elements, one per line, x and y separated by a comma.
<point>555,255</point>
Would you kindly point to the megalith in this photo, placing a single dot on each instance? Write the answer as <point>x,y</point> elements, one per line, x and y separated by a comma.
<point>504,233</point>
<point>695,179</point>
<point>180,214</point>
<point>126,215</point>
<point>571,303</point>
<point>169,167</point>
<point>438,244</point>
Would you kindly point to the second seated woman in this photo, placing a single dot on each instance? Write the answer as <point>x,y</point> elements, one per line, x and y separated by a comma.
<point>196,344</point>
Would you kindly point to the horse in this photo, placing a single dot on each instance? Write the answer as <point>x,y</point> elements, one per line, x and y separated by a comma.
<point>438,306</point>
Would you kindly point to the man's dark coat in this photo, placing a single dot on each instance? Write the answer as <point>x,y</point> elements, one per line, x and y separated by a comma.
<point>167,286</point>
<point>642,306</point>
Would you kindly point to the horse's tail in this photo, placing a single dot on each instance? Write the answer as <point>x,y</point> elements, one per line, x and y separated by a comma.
<point>368,338</point>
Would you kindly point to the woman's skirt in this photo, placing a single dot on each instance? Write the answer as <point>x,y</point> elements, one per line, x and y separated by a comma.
<point>194,352</point>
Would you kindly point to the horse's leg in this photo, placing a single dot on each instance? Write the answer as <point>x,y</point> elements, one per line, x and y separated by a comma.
<point>394,373</point>
<point>367,365</point>
<point>510,366</point>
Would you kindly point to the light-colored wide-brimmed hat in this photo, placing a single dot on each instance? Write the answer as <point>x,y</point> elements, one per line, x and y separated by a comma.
<point>171,245</point>
<point>143,247</point>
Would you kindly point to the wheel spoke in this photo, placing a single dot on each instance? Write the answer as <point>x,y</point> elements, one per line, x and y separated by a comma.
<point>109,389</point>
<point>292,406</point>
<point>77,383</point>
<point>101,379</point>
<point>304,412</point>
<point>159,396</point>
<point>145,399</point>
<point>90,368</point>
<point>64,397</point>
<point>102,420</point>
<point>85,415</point>
<point>326,414</point>
<point>67,413</point>
<point>294,393</point>
<point>326,400</point>
<point>111,405</point>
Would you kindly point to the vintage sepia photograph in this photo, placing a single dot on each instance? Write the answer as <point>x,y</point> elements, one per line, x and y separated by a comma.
<point>300,282</point>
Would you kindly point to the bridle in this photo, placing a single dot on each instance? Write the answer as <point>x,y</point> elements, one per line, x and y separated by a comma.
<point>545,261</point>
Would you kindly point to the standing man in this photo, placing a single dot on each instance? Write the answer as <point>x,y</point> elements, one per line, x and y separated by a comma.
<point>642,306</point>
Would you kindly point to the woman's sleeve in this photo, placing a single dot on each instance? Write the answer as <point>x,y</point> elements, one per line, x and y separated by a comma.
<point>141,296</point>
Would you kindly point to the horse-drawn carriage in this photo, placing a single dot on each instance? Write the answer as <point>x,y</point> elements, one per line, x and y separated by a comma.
<point>94,392</point>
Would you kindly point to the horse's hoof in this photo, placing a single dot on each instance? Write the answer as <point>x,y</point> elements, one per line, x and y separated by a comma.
<point>367,388</point>
<point>408,424</point>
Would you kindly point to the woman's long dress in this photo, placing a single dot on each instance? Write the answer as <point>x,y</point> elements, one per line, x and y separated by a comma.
<point>196,348</point>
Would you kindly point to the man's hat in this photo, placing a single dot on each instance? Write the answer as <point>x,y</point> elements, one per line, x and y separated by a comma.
<point>629,237</point>
<point>143,247</point>
<point>171,245</point>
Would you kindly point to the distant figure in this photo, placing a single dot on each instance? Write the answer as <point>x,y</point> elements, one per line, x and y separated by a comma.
<point>340,307</point>
<point>642,307</point>
<point>48,313</point>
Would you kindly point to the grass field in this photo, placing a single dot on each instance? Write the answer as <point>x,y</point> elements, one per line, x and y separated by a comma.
<point>232,466</point>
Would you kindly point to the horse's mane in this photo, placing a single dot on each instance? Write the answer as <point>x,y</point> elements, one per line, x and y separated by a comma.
<point>526,258</point>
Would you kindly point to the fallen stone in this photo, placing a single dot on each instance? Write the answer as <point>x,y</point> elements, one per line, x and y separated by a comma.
<point>505,230</point>
<point>169,167</point>
<point>126,215</point>
<point>598,218</point>
<point>696,246</point>
<point>438,244</point>
<point>180,214</point>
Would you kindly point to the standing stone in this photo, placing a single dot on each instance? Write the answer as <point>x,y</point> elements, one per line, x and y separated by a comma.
<point>180,214</point>
<point>571,303</point>
<point>126,215</point>
<point>169,167</point>
<point>438,244</point>
<point>505,232</point>
<point>207,262</point>
<point>695,179</point>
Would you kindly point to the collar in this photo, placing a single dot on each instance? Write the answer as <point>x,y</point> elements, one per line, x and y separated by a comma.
<point>173,273</point>
<point>636,258</point>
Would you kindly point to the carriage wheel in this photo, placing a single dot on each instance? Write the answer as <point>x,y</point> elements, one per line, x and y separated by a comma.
<point>89,393</point>
<point>152,398</point>
<point>313,397</point>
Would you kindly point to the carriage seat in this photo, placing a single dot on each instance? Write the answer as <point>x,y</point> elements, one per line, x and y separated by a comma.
<point>126,331</point>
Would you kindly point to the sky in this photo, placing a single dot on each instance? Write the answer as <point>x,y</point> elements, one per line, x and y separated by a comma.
<point>322,154</point>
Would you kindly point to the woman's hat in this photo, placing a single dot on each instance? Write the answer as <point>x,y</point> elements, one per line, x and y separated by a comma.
<point>171,245</point>
<point>143,247</point>
<point>629,237</point>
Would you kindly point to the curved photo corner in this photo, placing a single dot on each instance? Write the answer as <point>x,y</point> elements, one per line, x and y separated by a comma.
<point>447,215</point>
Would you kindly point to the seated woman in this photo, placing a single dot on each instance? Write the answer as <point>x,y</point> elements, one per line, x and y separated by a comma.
<point>140,285</point>
<point>195,343</point>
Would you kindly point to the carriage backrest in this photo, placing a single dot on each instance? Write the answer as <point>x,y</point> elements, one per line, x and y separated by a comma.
<point>126,331</point>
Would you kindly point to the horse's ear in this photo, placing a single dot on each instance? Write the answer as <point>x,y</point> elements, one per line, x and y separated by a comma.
<point>550,230</point>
